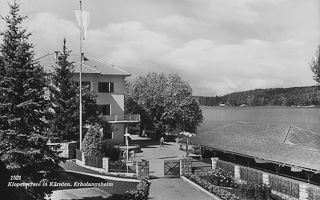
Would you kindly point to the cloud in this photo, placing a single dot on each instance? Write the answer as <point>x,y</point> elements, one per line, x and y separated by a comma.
<point>217,46</point>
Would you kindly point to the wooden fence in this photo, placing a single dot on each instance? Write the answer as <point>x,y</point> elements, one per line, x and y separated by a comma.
<point>278,183</point>
<point>93,161</point>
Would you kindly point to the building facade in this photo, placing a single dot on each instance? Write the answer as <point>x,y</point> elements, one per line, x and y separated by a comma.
<point>107,81</point>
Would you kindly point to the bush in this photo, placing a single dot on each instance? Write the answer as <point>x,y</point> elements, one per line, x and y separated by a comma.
<point>141,192</point>
<point>216,190</point>
<point>112,152</point>
<point>221,177</point>
<point>255,191</point>
<point>92,144</point>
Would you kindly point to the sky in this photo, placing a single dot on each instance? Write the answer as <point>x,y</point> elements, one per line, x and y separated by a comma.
<point>217,46</point>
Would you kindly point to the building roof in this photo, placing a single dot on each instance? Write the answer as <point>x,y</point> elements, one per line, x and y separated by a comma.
<point>281,144</point>
<point>90,66</point>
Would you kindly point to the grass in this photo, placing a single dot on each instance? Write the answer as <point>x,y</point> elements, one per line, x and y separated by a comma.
<point>115,188</point>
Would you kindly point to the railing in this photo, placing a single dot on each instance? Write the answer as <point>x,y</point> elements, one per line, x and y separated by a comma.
<point>128,117</point>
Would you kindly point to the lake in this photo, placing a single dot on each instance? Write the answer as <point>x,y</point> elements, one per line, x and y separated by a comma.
<point>306,118</point>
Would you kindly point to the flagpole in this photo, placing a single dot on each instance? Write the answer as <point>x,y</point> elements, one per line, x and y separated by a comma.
<point>80,75</point>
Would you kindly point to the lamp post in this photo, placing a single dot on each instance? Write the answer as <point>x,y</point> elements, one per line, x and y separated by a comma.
<point>127,142</point>
<point>187,135</point>
<point>127,135</point>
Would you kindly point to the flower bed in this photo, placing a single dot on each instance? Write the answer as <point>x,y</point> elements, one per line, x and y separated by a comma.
<point>216,190</point>
<point>141,192</point>
<point>247,190</point>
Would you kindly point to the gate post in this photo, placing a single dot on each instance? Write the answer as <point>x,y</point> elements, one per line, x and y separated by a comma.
<point>142,169</point>
<point>214,161</point>
<point>185,166</point>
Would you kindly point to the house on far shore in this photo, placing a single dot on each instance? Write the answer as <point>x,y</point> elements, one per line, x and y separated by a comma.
<point>108,83</point>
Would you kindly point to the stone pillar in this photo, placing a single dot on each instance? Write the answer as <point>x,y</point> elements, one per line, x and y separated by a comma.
<point>265,179</point>
<point>214,162</point>
<point>142,169</point>
<point>105,164</point>
<point>237,172</point>
<point>185,166</point>
<point>303,191</point>
<point>83,159</point>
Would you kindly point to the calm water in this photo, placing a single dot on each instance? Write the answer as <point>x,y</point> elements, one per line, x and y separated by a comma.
<point>307,118</point>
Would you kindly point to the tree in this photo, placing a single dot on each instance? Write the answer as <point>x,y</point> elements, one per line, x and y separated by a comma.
<point>164,99</point>
<point>315,66</point>
<point>65,96</point>
<point>23,104</point>
<point>92,142</point>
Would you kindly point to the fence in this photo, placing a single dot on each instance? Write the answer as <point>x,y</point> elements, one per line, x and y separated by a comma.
<point>283,185</point>
<point>139,169</point>
<point>93,161</point>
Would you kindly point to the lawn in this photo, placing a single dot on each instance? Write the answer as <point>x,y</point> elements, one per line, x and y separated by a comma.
<point>116,188</point>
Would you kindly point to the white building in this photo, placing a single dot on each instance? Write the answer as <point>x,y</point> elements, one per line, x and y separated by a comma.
<point>108,83</point>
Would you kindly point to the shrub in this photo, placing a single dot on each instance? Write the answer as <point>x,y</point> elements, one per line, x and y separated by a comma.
<point>112,152</point>
<point>255,191</point>
<point>141,192</point>
<point>221,177</point>
<point>216,190</point>
<point>92,144</point>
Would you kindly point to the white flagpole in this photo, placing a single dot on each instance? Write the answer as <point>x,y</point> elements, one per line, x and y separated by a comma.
<point>80,78</point>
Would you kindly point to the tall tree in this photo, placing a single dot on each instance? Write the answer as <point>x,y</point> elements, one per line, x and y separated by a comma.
<point>65,97</point>
<point>164,98</point>
<point>315,66</point>
<point>65,123</point>
<point>23,148</point>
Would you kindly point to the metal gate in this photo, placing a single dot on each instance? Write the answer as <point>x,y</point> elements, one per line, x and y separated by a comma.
<point>172,168</point>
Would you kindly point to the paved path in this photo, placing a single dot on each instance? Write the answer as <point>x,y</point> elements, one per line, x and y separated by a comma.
<point>175,188</point>
<point>156,156</point>
<point>168,188</point>
<point>161,188</point>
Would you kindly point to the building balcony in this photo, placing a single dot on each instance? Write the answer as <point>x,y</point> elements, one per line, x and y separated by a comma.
<point>128,118</point>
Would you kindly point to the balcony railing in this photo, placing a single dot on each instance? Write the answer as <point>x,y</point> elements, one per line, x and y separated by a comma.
<point>124,118</point>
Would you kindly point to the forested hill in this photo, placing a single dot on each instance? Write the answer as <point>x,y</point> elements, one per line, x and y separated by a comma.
<point>295,96</point>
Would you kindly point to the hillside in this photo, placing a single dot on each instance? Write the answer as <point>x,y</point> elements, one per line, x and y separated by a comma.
<point>295,96</point>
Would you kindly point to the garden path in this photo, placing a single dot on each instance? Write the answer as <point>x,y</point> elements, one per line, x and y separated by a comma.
<point>166,188</point>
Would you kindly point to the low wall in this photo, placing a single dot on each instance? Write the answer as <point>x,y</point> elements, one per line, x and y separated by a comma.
<point>66,149</point>
<point>285,187</point>
<point>102,165</point>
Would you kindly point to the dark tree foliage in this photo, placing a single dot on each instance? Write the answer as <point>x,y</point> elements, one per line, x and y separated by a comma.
<point>65,123</point>
<point>163,99</point>
<point>65,95</point>
<point>295,96</point>
<point>23,148</point>
<point>315,66</point>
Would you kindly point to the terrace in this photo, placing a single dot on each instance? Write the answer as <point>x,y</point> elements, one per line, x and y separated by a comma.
<point>128,118</point>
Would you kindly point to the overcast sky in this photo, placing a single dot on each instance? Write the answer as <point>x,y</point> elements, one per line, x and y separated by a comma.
<point>218,46</point>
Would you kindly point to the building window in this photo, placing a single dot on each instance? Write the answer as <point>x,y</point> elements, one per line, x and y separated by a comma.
<point>105,109</point>
<point>84,84</point>
<point>105,87</point>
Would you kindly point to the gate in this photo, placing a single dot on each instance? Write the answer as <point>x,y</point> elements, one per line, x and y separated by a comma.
<point>172,168</point>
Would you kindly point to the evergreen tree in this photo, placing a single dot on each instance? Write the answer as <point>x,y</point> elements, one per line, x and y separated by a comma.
<point>65,96</point>
<point>65,123</point>
<point>23,148</point>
